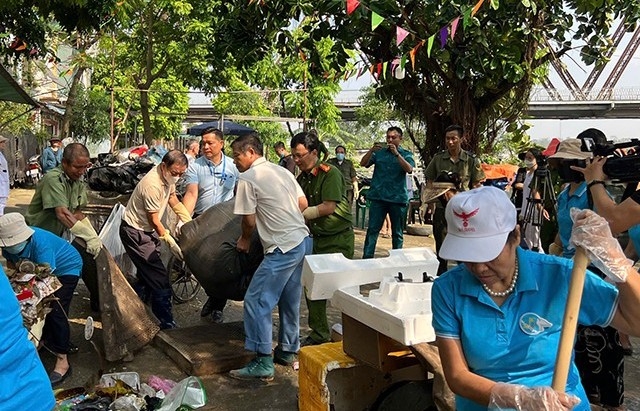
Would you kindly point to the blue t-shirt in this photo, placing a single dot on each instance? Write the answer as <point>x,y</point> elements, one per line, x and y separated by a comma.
<point>634,237</point>
<point>517,342</point>
<point>46,247</point>
<point>389,182</point>
<point>24,384</point>
<point>215,183</point>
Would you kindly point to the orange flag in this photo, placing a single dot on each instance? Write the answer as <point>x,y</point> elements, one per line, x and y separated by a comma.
<point>477,7</point>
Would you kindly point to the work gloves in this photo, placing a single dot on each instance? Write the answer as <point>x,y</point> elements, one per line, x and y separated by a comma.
<point>173,245</point>
<point>520,398</point>
<point>183,217</point>
<point>83,229</point>
<point>592,233</point>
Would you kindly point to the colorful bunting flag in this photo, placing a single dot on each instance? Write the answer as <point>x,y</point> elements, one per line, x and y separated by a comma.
<point>352,5</point>
<point>454,26</point>
<point>379,69</point>
<point>360,72</point>
<point>477,7</point>
<point>444,33</point>
<point>384,69</point>
<point>403,61</point>
<point>412,54</point>
<point>430,44</point>
<point>401,34</point>
<point>375,20</point>
<point>466,18</point>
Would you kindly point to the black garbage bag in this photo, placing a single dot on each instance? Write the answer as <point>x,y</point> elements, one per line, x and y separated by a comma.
<point>209,247</point>
<point>121,178</point>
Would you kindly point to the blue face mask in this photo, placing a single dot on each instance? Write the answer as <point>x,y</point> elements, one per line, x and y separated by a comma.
<point>16,249</point>
<point>340,156</point>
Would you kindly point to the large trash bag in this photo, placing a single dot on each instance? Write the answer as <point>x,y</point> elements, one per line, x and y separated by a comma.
<point>209,247</point>
<point>121,178</point>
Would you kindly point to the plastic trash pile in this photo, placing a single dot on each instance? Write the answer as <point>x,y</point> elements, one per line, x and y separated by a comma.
<point>34,286</point>
<point>124,392</point>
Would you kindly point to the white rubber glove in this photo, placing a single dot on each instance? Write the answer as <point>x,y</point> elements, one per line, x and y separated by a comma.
<point>173,245</point>
<point>521,398</point>
<point>311,213</point>
<point>83,229</point>
<point>592,233</point>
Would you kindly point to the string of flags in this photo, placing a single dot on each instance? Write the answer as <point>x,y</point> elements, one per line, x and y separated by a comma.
<point>398,64</point>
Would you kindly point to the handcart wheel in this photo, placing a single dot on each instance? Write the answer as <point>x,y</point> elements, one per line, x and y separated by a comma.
<point>184,286</point>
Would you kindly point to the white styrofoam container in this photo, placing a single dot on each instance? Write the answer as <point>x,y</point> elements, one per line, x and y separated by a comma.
<point>323,274</point>
<point>399,310</point>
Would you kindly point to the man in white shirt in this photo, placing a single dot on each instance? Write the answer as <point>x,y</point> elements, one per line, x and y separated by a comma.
<point>270,200</point>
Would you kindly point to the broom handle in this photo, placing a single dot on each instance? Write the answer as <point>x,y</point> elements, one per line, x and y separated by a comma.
<point>570,320</point>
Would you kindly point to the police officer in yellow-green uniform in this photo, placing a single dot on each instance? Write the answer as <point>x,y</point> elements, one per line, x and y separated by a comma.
<point>453,159</point>
<point>56,207</point>
<point>328,216</point>
<point>388,191</point>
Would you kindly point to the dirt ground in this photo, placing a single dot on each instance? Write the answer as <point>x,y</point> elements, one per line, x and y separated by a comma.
<point>224,393</point>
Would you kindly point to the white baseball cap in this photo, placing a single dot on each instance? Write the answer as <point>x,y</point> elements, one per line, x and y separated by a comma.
<point>478,224</point>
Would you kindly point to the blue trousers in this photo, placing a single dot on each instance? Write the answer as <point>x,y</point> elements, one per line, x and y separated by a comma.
<point>277,281</point>
<point>377,212</point>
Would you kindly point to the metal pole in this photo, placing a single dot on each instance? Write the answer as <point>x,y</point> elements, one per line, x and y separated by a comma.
<point>113,69</point>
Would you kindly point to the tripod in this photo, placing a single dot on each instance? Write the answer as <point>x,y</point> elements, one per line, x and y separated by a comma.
<point>540,193</point>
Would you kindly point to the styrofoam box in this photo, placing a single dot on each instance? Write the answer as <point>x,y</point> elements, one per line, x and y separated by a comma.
<point>399,310</point>
<point>323,274</point>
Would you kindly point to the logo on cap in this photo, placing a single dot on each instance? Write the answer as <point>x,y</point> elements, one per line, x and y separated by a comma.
<point>465,218</point>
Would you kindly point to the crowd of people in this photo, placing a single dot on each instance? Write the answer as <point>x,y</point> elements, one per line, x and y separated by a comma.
<point>498,283</point>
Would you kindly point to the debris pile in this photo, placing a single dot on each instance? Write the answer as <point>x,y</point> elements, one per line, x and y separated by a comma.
<point>34,286</point>
<point>124,392</point>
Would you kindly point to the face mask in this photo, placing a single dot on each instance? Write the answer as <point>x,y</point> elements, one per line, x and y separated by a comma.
<point>529,164</point>
<point>172,180</point>
<point>16,249</point>
<point>281,155</point>
<point>340,156</point>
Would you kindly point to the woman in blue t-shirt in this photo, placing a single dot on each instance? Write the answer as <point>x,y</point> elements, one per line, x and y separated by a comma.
<point>19,241</point>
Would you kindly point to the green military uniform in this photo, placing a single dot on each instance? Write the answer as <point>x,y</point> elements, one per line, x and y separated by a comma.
<point>55,190</point>
<point>348,172</point>
<point>331,234</point>
<point>469,169</point>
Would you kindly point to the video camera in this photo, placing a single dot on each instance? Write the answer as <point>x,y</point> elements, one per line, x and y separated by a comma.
<point>620,167</point>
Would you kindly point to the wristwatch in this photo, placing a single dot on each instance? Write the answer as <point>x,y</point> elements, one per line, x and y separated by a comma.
<point>594,182</point>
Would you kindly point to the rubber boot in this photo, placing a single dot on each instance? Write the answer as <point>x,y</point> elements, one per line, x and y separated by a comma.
<point>161,308</point>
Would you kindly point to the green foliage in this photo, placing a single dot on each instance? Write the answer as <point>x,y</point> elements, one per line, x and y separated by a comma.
<point>15,118</point>
<point>91,122</point>
<point>30,21</point>
<point>483,74</point>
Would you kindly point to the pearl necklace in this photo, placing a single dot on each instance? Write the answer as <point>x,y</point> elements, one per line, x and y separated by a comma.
<point>506,292</point>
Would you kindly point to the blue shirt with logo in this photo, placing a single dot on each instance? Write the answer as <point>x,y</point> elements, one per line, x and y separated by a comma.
<point>517,342</point>
<point>46,247</point>
<point>216,183</point>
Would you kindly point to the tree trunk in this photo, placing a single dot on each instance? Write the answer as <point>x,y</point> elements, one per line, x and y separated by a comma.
<point>71,101</point>
<point>146,117</point>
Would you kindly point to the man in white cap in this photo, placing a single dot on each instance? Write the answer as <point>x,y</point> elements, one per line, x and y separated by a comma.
<point>4,176</point>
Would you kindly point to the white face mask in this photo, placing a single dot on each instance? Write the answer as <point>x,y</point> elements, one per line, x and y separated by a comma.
<point>529,163</point>
<point>171,179</point>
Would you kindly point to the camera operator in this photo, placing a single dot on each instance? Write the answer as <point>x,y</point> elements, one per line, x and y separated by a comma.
<point>620,216</point>
<point>530,210</point>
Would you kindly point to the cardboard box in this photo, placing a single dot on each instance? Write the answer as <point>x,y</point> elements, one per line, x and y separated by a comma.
<point>373,348</point>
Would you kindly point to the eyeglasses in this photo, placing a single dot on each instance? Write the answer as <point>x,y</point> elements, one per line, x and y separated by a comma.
<point>300,156</point>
